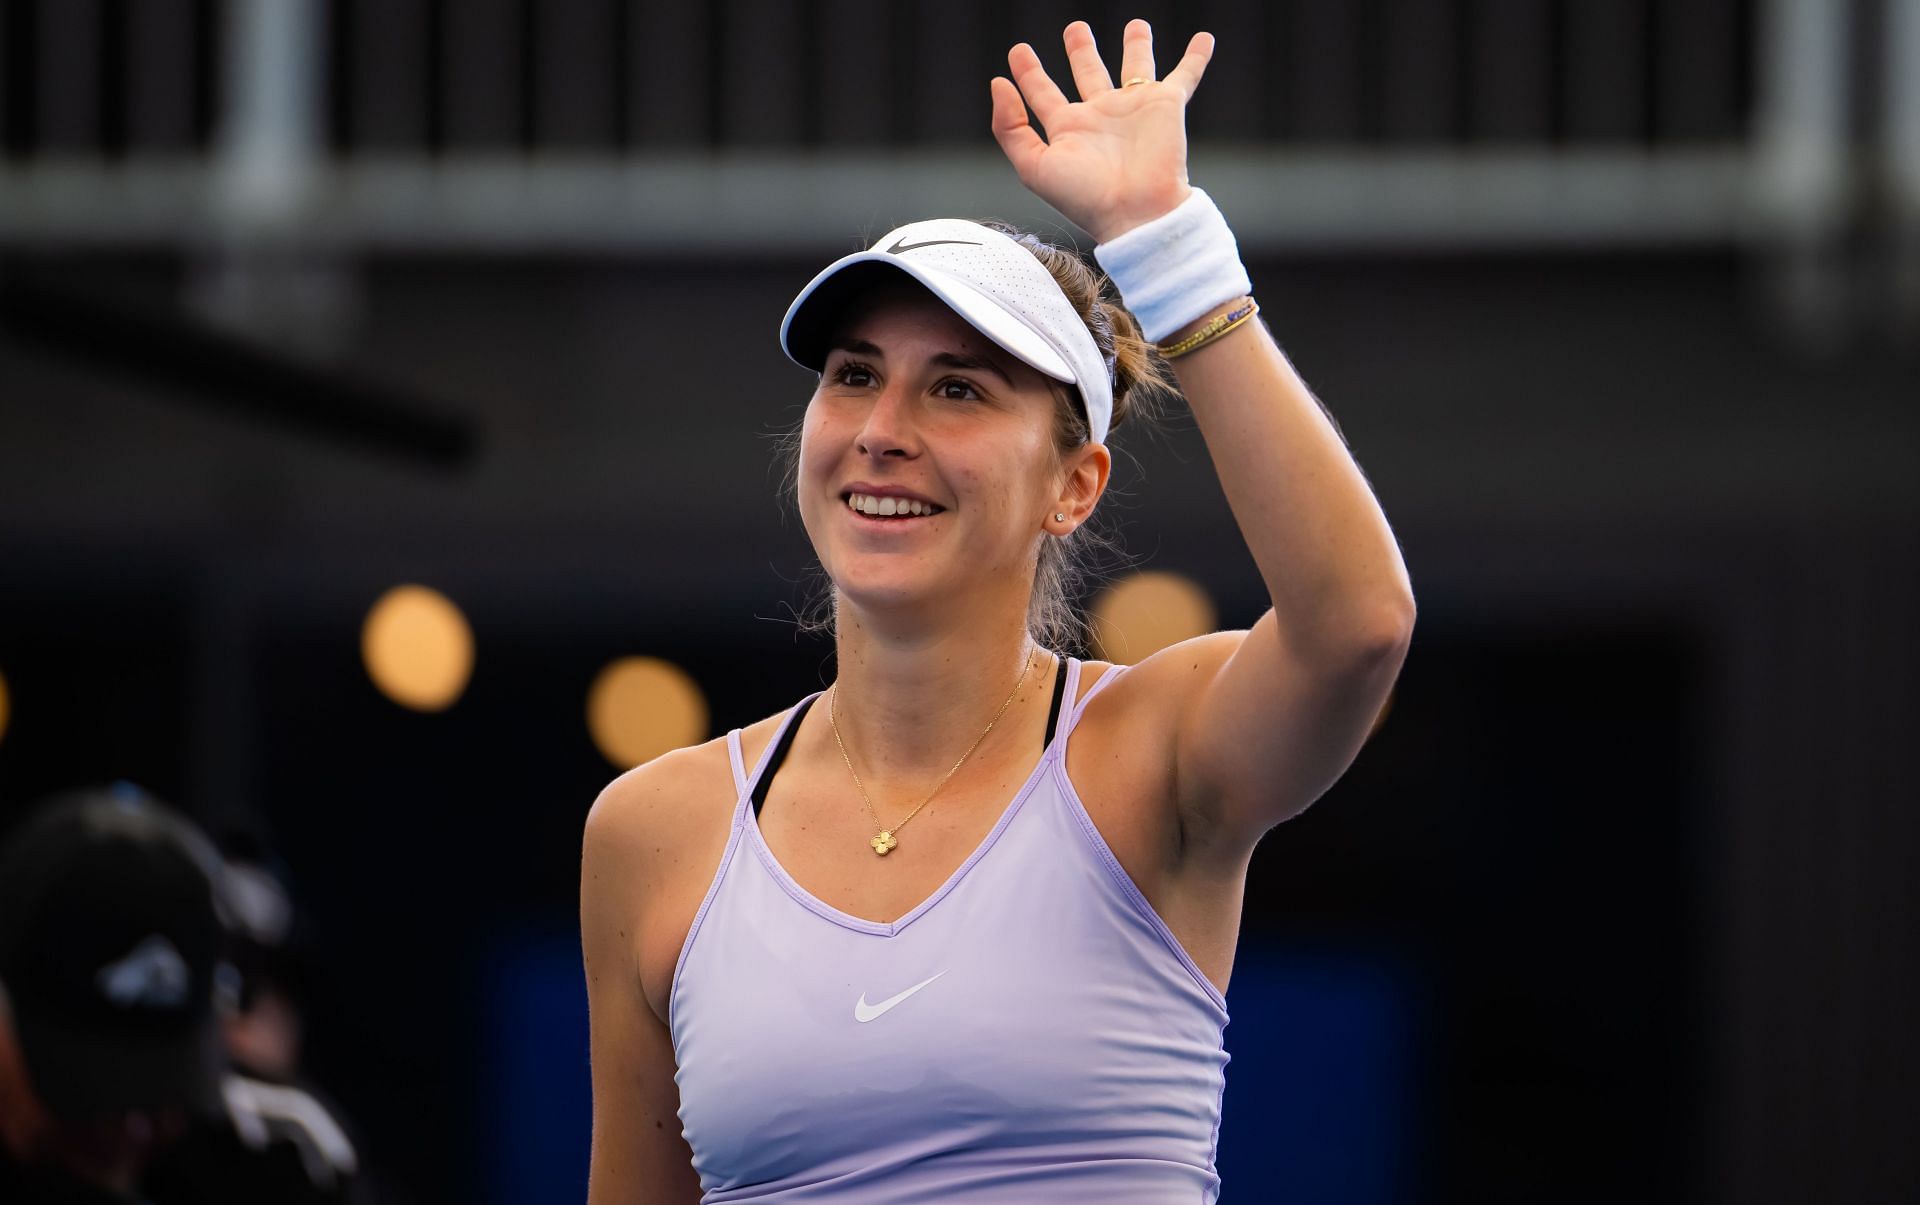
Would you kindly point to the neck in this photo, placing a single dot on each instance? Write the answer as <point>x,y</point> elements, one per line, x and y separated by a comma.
<point>910,704</point>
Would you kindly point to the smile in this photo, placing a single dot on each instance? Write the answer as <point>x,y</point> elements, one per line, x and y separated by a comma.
<point>890,508</point>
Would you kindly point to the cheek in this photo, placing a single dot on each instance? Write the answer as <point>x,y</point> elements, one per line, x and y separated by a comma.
<point>816,456</point>
<point>1012,490</point>
<point>1032,477</point>
<point>816,464</point>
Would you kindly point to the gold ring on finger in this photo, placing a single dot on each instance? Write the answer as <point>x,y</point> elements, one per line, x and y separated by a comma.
<point>1138,79</point>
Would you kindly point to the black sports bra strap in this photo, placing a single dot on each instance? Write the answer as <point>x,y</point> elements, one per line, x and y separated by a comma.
<point>765,784</point>
<point>1059,693</point>
<point>779,755</point>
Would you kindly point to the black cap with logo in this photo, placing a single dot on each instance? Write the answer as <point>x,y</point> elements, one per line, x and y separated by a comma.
<point>110,949</point>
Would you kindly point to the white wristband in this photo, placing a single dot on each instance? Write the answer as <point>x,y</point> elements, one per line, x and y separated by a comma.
<point>1177,268</point>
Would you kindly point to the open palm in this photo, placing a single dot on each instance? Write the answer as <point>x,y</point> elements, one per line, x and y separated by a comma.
<point>1117,157</point>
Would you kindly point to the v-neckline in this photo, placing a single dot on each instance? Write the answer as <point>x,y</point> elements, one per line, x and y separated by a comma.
<point>860,924</point>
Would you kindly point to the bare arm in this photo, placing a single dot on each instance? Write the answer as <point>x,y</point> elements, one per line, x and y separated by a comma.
<point>638,1152</point>
<point>1275,722</point>
<point>1264,720</point>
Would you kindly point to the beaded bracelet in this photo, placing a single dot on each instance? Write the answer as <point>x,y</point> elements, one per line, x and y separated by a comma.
<point>1208,333</point>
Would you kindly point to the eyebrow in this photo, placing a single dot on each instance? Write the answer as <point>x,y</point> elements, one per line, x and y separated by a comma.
<point>945,359</point>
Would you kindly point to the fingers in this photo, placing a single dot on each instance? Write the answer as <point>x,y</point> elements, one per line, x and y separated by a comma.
<point>1193,65</point>
<point>1089,73</point>
<point>1041,93</point>
<point>1136,51</point>
<point>1011,129</point>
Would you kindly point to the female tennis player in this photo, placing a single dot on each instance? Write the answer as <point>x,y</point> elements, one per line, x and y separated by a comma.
<point>959,927</point>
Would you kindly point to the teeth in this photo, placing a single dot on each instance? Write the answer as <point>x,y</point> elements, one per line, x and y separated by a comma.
<point>867,504</point>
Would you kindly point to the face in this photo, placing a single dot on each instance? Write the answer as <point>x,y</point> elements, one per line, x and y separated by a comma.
<point>914,404</point>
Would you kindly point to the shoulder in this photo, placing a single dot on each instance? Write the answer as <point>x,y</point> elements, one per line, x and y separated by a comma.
<point>651,843</point>
<point>665,816</point>
<point>647,808</point>
<point>1156,693</point>
<point>655,797</point>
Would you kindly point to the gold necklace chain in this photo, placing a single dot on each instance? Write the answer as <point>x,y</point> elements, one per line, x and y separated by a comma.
<point>884,841</point>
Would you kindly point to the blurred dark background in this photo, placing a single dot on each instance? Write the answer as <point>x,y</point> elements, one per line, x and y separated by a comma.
<point>1617,303</point>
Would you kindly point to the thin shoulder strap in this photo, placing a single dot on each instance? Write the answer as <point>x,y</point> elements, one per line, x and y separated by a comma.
<point>771,763</point>
<point>738,762</point>
<point>1093,692</point>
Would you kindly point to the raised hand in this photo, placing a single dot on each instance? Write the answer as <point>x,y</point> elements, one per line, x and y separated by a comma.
<point>1117,157</point>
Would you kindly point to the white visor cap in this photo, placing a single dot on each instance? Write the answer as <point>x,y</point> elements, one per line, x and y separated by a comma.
<point>982,275</point>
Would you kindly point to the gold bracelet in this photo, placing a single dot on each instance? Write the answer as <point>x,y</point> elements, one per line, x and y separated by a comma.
<point>1208,333</point>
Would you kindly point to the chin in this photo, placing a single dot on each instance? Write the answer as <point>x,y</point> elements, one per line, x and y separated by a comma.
<point>876,592</point>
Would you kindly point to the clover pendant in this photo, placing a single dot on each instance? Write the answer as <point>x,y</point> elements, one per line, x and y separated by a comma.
<point>883,843</point>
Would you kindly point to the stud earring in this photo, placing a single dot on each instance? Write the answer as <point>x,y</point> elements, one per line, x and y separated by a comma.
<point>1059,516</point>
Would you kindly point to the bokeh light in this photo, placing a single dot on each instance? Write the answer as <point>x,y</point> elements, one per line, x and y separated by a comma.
<point>418,648</point>
<point>1145,612</point>
<point>640,707</point>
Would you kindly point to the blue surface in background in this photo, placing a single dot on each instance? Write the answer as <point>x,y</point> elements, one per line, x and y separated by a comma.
<point>1321,1094</point>
<point>537,1086</point>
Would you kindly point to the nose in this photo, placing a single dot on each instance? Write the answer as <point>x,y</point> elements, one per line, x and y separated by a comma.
<point>889,427</point>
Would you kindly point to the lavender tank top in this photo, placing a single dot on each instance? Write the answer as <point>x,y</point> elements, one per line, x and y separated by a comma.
<point>1030,1032</point>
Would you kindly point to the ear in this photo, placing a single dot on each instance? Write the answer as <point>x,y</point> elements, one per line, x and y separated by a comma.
<point>1084,480</point>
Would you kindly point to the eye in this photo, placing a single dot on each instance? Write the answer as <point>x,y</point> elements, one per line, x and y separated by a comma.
<point>853,373</point>
<point>955,389</point>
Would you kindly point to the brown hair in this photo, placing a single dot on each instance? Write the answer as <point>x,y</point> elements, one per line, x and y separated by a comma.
<point>1142,383</point>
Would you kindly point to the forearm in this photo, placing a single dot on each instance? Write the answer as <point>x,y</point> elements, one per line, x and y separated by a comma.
<point>1322,544</point>
<point>1116,164</point>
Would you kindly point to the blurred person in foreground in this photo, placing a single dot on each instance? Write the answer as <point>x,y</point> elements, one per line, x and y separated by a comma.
<point>910,943</point>
<point>110,946</point>
<point>115,1079</point>
<point>277,1139</point>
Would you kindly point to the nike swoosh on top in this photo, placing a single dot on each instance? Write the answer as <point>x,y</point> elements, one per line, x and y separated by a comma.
<point>864,1012</point>
<point>904,245</point>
